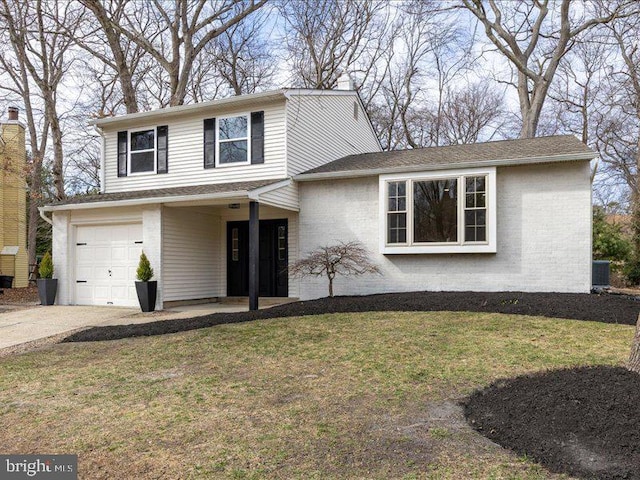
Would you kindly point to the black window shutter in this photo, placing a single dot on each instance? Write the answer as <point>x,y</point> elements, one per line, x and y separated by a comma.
<point>123,140</point>
<point>162,155</point>
<point>257,137</point>
<point>209,143</point>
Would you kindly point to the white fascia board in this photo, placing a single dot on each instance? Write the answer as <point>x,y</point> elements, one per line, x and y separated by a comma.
<point>193,108</point>
<point>292,92</point>
<point>309,177</point>
<point>239,195</point>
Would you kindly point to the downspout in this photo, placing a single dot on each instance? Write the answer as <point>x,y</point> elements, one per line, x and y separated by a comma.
<point>102,152</point>
<point>44,217</point>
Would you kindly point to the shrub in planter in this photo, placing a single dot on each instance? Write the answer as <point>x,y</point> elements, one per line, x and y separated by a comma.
<point>47,286</point>
<point>145,288</point>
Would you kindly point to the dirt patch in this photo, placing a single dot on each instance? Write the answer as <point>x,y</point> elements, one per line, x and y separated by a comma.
<point>595,307</point>
<point>582,421</point>
<point>19,296</point>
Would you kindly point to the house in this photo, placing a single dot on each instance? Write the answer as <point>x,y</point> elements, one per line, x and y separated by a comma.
<point>13,201</point>
<point>223,195</point>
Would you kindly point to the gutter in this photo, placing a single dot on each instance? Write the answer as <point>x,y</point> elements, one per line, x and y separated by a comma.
<point>235,195</point>
<point>185,109</point>
<point>103,147</point>
<point>238,195</point>
<point>511,162</point>
<point>41,211</point>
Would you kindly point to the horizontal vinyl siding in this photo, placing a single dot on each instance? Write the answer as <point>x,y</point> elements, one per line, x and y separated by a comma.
<point>186,163</point>
<point>322,128</point>
<point>190,259</point>
<point>285,197</point>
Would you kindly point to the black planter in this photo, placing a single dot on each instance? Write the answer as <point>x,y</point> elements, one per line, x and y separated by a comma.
<point>47,289</point>
<point>6,281</point>
<point>147,295</point>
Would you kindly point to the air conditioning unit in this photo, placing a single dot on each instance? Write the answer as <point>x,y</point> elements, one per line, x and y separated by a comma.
<point>600,273</point>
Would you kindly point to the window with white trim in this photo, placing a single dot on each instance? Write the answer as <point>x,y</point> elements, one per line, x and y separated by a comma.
<point>142,151</point>
<point>447,212</point>
<point>233,140</point>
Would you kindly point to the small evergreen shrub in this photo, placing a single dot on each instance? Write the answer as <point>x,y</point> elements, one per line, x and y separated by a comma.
<point>46,266</point>
<point>144,271</point>
<point>631,271</point>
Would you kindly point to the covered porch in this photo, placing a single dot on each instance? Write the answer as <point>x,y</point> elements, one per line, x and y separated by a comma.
<point>206,244</point>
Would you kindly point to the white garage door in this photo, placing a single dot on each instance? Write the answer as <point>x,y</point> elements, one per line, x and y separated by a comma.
<point>106,260</point>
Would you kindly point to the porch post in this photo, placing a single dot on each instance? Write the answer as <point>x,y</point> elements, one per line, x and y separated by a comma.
<point>254,253</point>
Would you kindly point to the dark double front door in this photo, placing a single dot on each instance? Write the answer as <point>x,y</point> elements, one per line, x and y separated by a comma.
<point>273,259</point>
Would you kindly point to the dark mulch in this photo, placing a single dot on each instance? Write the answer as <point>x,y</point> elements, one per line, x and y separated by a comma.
<point>596,307</point>
<point>583,421</point>
<point>19,296</point>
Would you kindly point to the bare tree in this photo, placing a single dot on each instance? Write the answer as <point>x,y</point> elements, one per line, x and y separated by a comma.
<point>346,259</point>
<point>243,56</point>
<point>534,38</point>
<point>42,52</point>
<point>467,115</point>
<point>32,69</point>
<point>330,37</point>
<point>120,54</point>
<point>173,34</point>
<point>619,130</point>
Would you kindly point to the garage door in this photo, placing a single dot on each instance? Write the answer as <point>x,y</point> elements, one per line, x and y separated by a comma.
<point>106,260</point>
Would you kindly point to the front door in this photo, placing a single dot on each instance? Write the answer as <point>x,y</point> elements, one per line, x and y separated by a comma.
<point>274,280</point>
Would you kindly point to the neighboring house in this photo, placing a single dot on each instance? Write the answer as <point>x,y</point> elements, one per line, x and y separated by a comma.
<point>13,201</point>
<point>195,187</point>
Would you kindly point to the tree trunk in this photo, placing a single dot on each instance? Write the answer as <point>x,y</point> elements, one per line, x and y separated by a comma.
<point>330,287</point>
<point>58,154</point>
<point>634,358</point>
<point>34,214</point>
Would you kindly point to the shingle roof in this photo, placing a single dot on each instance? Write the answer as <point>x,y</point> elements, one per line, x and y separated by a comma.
<point>513,151</point>
<point>219,188</point>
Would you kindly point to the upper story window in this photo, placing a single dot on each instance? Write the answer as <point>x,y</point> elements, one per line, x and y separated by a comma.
<point>142,156</point>
<point>234,140</point>
<point>448,212</point>
<point>143,151</point>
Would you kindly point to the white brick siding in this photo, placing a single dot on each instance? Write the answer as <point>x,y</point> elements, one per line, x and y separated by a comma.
<point>543,244</point>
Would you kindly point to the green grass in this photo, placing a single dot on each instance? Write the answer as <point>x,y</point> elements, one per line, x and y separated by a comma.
<point>333,396</point>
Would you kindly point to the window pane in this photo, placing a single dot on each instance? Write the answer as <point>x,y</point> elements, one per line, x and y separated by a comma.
<point>470,201</point>
<point>142,162</point>
<point>470,218</point>
<point>480,199</point>
<point>435,211</point>
<point>233,152</point>
<point>142,140</point>
<point>397,228</point>
<point>481,234</point>
<point>230,128</point>
<point>393,203</point>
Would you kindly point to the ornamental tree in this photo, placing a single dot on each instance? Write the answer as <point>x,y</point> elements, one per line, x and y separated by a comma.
<point>346,259</point>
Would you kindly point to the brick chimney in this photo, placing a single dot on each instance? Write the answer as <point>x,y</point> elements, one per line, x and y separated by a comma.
<point>13,114</point>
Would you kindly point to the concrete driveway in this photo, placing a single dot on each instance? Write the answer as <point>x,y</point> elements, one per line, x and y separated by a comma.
<point>22,325</point>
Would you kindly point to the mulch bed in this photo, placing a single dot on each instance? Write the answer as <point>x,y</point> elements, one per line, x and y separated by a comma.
<point>582,421</point>
<point>595,307</point>
<point>19,296</point>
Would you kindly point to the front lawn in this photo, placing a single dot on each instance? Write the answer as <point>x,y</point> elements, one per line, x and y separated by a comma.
<point>366,395</point>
